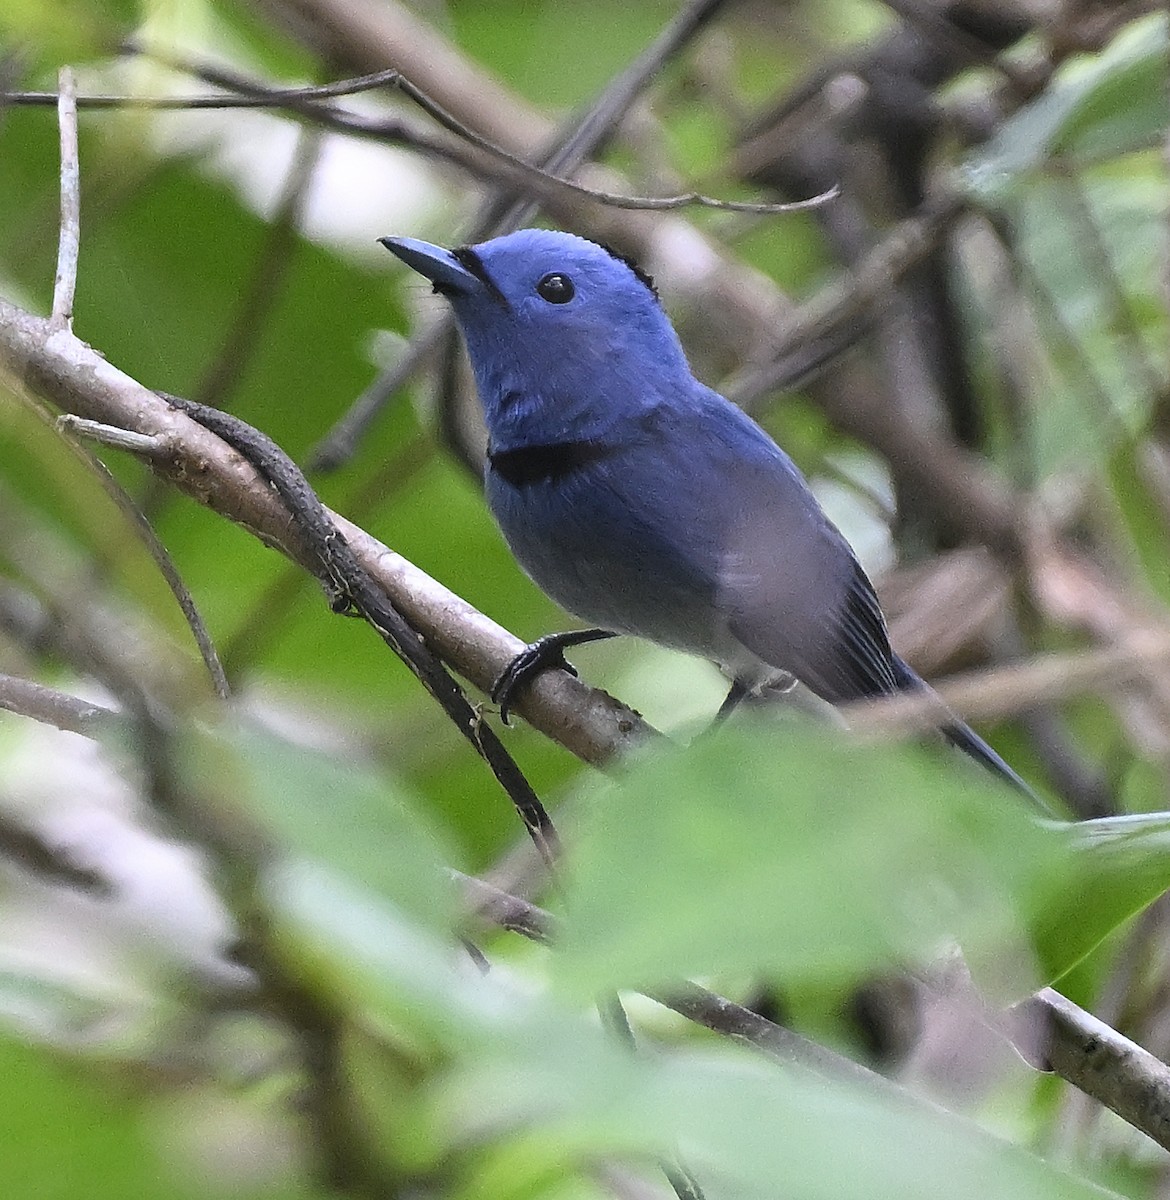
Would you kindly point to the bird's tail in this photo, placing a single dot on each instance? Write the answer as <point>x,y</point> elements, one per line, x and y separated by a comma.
<point>962,736</point>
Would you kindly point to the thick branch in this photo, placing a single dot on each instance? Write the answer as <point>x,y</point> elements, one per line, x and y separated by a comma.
<point>1105,1064</point>
<point>64,370</point>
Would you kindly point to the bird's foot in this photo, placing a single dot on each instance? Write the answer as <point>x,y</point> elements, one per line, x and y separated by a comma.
<point>779,684</point>
<point>545,653</point>
<point>738,693</point>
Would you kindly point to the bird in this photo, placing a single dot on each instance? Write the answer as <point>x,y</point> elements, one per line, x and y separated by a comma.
<point>643,501</point>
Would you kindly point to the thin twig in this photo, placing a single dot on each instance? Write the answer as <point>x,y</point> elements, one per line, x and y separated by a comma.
<point>349,586</point>
<point>850,301</point>
<point>325,91</point>
<point>516,172</point>
<point>587,134</point>
<point>69,240</point>
<point>161,558</point>
<point>515,164</point>
<point>1007,690</point>
<point>614,199</point>
<point>340,444</point>
<point>1080,1049</point>
<point>51,707</point>
<point>494,905</point>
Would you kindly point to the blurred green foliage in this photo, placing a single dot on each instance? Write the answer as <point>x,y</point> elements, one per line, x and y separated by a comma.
<point>754,853</point>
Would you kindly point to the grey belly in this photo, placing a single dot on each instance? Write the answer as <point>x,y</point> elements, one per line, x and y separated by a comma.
<point>603,567</point>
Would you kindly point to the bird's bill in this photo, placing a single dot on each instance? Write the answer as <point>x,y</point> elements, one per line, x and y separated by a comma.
<point>440,266</point>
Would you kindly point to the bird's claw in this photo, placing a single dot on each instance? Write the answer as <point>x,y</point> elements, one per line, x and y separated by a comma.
<point>537,657</point>
<point>529,663</point>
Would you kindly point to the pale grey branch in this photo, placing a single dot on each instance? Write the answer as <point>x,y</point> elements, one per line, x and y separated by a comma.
<point>28,699</point>
<point>64,370</point>
<point>69,240</point>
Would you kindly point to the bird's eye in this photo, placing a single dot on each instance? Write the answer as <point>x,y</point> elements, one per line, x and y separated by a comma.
<point>556,288</point>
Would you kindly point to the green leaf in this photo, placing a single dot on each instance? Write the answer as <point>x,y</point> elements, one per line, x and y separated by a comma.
<point>1106,336</point>
<point>1120,865</point>
<point>544,1107</point>
<point>1141,515</point>
<point>1105,106</point>
<point>62,1136</point>
<point>794,851</point>
<point>364,826</point>
<point>56,32</point>
<point>525,1093</point>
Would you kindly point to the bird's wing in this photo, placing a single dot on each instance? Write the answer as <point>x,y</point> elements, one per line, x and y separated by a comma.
<point>793,593</point>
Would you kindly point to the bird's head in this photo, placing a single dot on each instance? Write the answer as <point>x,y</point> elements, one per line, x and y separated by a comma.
<point>565,336</point>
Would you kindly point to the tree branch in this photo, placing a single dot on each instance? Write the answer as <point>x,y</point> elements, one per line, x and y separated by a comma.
<point>1080,1049</point>
<point>51,707</point>
<point>69,244</point>
<point>1104,1064</point>
<point>64,370</point>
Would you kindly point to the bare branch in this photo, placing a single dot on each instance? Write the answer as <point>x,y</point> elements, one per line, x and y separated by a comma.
<point>339,445</point>
<point>29,699</point>
<point>614,199</point>
<point>1007,690</point>
<point>852,298</point>
<point>69,241</point>
<point>270,99</point>
<point>71,375</point>
<point>1104,1064</point>
<point>161,557</point>
<point>1081,1049</point>
<point>517,171</point>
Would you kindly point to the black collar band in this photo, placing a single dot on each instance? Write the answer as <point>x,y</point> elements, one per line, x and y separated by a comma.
<point>548,463</point>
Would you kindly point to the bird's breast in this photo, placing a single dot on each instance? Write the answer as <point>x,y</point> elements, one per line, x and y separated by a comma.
<point>601,547</point>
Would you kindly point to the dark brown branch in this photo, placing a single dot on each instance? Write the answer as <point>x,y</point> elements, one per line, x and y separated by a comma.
<point>350,587</point>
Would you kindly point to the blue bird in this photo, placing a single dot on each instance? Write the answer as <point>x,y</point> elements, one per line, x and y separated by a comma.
<point>641,500</point>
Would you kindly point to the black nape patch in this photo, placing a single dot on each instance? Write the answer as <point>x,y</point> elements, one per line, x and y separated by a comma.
<point>643,275</point>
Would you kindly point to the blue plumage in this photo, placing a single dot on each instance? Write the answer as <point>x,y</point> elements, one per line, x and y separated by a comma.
<point>640,499</point>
